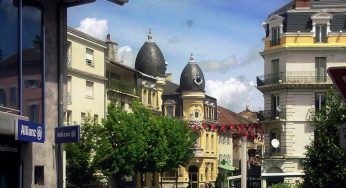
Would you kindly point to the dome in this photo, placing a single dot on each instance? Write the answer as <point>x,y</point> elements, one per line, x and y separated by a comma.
<point>150,60</point>
<point>192,78</point>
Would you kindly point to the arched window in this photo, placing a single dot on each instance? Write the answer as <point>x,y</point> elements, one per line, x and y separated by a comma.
<point>274,134</point>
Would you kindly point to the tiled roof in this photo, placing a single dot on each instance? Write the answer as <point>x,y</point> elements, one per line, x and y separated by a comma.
<point>226,116</point>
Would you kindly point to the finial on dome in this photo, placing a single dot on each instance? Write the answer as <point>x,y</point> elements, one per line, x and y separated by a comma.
<point>192,58</point>
<point>150,37</point>
<point>108,39</point>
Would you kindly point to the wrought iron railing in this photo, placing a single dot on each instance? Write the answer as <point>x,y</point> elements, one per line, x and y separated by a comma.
<point>123,86</point>
<point>297,77</point>
<point>274,114</point>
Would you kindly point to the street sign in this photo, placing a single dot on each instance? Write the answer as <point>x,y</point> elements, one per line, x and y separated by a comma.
<point>67,134</point>
<point>343,135</point>
<point>29,131</point>
<point>338,76</point>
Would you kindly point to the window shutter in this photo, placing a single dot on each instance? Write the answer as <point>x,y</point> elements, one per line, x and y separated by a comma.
<point>323,33</point>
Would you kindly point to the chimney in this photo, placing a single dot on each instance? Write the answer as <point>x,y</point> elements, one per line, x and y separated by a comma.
<point>302,4</point>
<point>112,49</point>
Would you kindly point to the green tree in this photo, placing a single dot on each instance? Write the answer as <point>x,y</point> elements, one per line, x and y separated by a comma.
<point>80,170</point>
<point>325,159</point>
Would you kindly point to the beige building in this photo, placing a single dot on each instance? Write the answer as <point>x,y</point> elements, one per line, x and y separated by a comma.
<point>303,39</point>
<point>85,77</point>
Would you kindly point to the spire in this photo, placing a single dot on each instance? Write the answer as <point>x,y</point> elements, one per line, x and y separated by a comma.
<point>192,58</point>
<point>150,37</point>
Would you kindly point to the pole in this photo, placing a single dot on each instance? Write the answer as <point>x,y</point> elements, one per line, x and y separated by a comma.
<point>243,162</point>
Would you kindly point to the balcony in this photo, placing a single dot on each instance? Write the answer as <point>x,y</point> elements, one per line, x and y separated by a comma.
<point>269,115</point>
<point>123,86</point>
<point>198,152</point>
<point>299,77</point>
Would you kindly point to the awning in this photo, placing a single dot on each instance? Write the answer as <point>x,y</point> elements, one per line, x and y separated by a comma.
<point>227,167</point>
<point>283,174</point>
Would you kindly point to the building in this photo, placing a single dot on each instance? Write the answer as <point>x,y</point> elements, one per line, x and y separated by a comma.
<point>189,102</point>
<point>85,77</point>
<point>302,39</point>
<point>32,69</point>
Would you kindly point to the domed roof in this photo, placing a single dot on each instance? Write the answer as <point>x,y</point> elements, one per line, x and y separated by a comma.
<point>192,78</point>
<point>150,60</point>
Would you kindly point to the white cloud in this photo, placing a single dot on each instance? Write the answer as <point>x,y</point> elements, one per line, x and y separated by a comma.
<point>234,94</point>
<point>95,27</point>
<point>127,56</point>
<point>231,62</point>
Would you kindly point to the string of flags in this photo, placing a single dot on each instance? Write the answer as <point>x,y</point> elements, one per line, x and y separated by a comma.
<point>251,131</point>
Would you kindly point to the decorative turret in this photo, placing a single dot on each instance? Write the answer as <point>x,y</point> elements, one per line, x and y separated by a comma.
<point>192,78</point>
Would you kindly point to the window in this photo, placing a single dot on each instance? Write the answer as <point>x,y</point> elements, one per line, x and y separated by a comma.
<point>275,108</point>
<point>33,112</point>
<point>320,101</point>
<point>207,143</point>
<point>39,175</point>
<point>68,117</point>
<point>169,111</point>
<point>2,97</point>
<point>32,83</point>
<point>275,71</point>
<point>96,118</point>
<point>275,36</point>
<point>321,69</point>
<point>149,97</point>
<point>89,92</point>
<point>321,33</point>
<point>212,143</point>
<point>13,96</point>
<point>68,54</point>
<point>89,57</point>
<point>82,116</point>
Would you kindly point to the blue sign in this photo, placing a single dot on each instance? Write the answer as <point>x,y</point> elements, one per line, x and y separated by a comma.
<point>67,134</point>
<point>30,131</point>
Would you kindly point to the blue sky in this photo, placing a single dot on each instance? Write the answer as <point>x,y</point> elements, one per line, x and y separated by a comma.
<point>225,37</point>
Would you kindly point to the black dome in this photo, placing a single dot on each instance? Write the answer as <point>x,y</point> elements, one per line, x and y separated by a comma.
<point>150,60</point>
<point>192,78</point>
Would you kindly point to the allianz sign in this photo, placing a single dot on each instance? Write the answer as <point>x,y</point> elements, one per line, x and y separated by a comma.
<point>29,131</point>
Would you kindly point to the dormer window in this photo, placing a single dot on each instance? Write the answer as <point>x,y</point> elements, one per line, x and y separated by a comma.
<point>275,26</point>
<point>275,36</point>
<point>321,26</point>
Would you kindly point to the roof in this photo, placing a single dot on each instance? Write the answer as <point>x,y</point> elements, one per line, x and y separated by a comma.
<point>248,114</point>
<point>171,88</point>
<point>85,36</point>
<point>226,116</point>
<point>192,78</point>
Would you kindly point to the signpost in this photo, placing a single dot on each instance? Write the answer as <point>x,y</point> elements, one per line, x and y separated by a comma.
<point>338,76</point>
<point>67,134</point>
<point>29,131</point>
<point>343,136</point>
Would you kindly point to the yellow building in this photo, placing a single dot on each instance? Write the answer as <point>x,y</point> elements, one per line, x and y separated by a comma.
<point>189,102</point>
<point>85,90</point>
<point>303,39</point>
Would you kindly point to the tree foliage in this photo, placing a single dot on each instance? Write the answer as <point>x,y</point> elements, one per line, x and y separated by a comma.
<point>141,141</point>
<point>80,170</point>
<point>325,159</point>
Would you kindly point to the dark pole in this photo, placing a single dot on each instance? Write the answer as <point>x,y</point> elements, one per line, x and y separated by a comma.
<point>61,68</point>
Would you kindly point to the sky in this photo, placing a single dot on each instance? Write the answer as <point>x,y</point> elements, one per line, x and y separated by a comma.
<point>225,37</point>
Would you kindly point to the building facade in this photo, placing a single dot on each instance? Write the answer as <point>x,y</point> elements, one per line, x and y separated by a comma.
<point>85,77</point>
<point>189,102</point>
<point>303,39</point>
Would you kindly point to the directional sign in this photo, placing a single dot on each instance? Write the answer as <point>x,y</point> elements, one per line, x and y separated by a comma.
<point>29,131</point>
<point>338,75</point>
<point>67,134</point>
<point>343,135</point>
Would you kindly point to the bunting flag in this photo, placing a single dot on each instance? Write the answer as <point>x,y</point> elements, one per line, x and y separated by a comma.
<point>251,131</point>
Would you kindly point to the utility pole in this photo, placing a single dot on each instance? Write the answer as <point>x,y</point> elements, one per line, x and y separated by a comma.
<point>243,161</point>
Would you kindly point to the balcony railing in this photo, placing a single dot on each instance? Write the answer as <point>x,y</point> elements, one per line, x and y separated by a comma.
<point>123,87</point>
<point>198,152</point>
<point>274,114</point>
<point>299,77</point>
